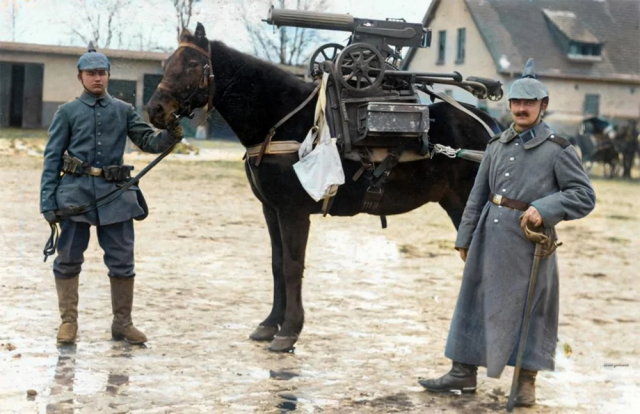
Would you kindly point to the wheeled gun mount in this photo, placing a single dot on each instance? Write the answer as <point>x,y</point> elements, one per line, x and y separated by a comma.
<point>378,33</point>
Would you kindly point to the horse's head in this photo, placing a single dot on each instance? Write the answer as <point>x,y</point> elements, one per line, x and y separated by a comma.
<point>187,82</point>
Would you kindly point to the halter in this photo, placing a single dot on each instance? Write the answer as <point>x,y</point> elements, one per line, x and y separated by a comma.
<point>184,108</point>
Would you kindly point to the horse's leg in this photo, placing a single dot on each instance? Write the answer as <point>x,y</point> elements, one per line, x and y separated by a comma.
<point>294,229</point>
<point>269,327</point>
<point>453,203</point>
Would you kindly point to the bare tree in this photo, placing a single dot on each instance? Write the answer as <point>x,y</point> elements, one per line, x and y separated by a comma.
<point>13,10</point>
<point>289,45</point>
<point>184,12</point>
<point>101,21</point>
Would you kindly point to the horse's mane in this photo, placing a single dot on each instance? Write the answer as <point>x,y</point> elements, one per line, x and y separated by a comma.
<point>251,65</point>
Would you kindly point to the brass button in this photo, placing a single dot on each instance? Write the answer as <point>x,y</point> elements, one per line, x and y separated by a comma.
<point>506,174</point>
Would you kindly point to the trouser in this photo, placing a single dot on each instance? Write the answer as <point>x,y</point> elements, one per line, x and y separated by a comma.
<point>116,240</point>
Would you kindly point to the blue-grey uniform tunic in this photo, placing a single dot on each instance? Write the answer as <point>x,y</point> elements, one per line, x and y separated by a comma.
<point>490,308</point>
<point>95,130</point>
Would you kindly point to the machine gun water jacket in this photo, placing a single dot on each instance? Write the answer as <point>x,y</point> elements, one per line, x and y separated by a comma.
<point>95,130</point>
<point>546,173</point>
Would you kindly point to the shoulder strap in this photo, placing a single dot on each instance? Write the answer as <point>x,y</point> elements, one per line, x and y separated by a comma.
<point>560,141</point>
<point>494,138</point>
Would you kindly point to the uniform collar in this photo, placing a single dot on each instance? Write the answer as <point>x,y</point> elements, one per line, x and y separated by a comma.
<point>530,138</point>
<point>91,100</point>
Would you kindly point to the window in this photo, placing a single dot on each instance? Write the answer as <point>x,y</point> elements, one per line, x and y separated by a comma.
<point>585,49</point>
<point>462,35</point>
<point>442,46</point>
<point>592,104</point>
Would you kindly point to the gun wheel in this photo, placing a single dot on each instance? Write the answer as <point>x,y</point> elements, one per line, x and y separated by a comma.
<point>328,52</point>
<point>360,67</point>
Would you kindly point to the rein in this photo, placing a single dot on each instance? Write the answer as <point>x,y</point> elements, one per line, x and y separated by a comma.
<point>52,243</point>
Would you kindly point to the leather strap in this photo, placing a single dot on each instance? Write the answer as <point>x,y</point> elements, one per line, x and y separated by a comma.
<point>507,202</point>
<point>272,131</point>
<point>457,105</point>
<point>274,147</point>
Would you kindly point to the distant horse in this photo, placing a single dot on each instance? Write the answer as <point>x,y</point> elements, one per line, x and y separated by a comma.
<point>252,95</point>
<point>626,139</point>
<point>596,141</point>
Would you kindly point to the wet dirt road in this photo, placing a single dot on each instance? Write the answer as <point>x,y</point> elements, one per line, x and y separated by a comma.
<point>378,305</point>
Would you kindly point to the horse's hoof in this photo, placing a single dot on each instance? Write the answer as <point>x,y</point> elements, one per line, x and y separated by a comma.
<point>264,333</point>
<point>282,343</point>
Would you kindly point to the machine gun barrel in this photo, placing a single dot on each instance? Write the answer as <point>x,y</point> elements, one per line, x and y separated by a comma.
<point>310,20</point>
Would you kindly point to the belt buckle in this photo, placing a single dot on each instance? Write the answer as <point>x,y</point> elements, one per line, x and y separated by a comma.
<point>96,172</point>
<point>497,199</point>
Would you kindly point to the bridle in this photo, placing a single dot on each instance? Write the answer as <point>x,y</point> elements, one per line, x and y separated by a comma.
<point>184,108</point>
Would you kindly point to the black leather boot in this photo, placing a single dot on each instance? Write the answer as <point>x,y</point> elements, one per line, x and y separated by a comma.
<point>460,380</point>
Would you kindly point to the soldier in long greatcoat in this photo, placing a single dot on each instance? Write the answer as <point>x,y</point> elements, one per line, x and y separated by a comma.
<point>527,173</point>
<point>86,143</point>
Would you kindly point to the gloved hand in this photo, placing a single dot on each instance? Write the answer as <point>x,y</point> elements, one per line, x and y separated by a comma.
<point>51,217</point>
<point>174,129</point>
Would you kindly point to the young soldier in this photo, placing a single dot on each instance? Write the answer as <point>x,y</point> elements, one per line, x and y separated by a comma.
<point>86,142</point>
<point>525,169</point>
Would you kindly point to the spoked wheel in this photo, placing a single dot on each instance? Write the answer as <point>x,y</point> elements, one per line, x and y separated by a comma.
<point>328,52</point>
<point>360,67</point>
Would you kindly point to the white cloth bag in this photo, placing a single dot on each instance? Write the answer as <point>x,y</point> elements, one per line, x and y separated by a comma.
<point>320,169</point>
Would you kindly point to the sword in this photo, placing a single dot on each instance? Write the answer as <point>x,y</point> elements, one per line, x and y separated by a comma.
<point>525,325</point>
<point>545,246</point>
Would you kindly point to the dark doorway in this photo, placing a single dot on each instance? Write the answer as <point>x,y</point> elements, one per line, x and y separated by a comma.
<point>125,90</point>
<point>151,82</point>
<point>17,96</point>
<point>21,95</point>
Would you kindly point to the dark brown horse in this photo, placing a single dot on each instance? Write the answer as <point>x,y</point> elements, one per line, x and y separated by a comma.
<point>252,95</point>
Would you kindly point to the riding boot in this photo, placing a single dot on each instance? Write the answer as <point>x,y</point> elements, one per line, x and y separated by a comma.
<point>526,396</point>
<point>461,379</point>
<point>122,302</point>
<point>68,304</point>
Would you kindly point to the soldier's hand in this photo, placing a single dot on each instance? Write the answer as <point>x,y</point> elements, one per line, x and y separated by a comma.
<point>51,217</point>
<point>532,216</point>
<point>463,254</point>
<point>175,130</point>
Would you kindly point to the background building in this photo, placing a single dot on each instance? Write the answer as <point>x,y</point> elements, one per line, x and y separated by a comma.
<point>36,79</point>
<point>586,51</point>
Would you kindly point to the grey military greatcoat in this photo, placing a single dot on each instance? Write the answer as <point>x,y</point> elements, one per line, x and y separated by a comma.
<point>490,308</point>
<point>94,130</point>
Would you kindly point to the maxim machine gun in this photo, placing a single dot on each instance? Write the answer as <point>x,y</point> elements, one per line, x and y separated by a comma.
<point>371,103</point>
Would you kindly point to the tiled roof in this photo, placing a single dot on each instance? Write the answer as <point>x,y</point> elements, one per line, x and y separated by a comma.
<point>515,30</point>
<point>518,30</point>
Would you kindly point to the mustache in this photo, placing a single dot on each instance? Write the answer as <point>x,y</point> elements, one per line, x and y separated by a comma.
<point>522,113</point>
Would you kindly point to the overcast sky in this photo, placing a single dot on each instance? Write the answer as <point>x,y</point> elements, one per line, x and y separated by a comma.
<point>149,22</point>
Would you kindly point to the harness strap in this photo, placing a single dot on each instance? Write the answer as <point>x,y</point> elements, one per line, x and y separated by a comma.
<point>272,131</point>
<point>457,105</point>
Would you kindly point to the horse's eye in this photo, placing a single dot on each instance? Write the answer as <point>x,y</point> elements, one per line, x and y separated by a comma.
<point>193,64</point>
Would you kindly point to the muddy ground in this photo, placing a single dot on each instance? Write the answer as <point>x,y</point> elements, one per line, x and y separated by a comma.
<point>378,305</point>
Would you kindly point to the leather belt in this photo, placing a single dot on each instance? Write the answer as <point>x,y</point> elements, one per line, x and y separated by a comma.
<point>507,202</point>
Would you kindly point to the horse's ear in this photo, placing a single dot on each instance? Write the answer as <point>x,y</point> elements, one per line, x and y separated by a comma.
<point>201,36</point>
<point>200,33</point>
<point>185,35</point>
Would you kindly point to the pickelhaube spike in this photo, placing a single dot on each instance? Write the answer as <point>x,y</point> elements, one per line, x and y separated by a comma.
<point>529,69</point>
<point>91,47</point>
